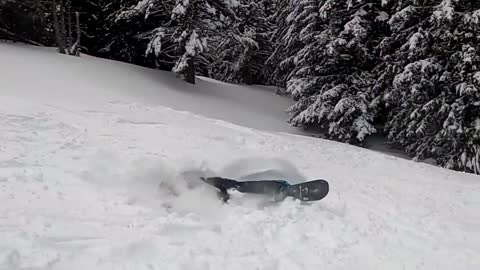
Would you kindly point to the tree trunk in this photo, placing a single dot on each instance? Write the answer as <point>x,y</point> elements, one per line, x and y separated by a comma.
<point>58,31</point>
<point>190,71</point>
<point>69,34</point>
<point>63,29</point>
<point>76,47</point>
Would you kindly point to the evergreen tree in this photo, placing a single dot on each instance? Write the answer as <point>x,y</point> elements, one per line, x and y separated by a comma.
<point>27,21</point>
<point>192,24</point>
<point>457,143</point>
<point>332,78</point>
<point>130,26</point>
<point>285,40</point>
<point>431,91</point>
<point>239,55</point>
<point>42,23</point>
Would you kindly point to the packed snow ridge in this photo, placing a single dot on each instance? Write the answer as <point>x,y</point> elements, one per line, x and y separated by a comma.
<point>99,163</point>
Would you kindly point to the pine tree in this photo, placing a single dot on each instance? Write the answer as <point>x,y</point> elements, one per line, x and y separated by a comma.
<point>131,25</point>
<point>285,41</point>
<point>239,55</point>
<point>192,24</point>
<point>431,90</point>
<point>27,21</point>
<point>332,78</point>
<point>409,75</point>
<point>458,142</point>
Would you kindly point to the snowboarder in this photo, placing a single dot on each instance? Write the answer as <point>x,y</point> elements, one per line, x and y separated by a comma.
<point>277,189</point>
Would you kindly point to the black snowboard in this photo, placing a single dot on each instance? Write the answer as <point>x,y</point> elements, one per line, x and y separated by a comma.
<point>314,190</point>
<point>278,189</point>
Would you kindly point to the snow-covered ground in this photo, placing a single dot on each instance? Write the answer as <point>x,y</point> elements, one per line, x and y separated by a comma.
<point>96,165</point>
<point>32,71</point>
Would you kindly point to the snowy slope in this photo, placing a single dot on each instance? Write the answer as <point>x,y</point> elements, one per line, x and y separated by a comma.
<point>102,80</point>
<point>91,177</point>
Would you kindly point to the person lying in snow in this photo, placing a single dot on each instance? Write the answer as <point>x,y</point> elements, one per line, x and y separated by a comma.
<point>277,189</point>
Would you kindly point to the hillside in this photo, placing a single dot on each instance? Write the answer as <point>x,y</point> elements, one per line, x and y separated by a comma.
<point>92,176</point>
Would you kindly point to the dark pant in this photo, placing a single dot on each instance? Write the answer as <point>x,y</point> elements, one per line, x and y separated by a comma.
<point>276,188</point>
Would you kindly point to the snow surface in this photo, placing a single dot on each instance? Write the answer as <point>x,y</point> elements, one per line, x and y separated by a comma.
<point>95,173</point>
<point>35,68</point>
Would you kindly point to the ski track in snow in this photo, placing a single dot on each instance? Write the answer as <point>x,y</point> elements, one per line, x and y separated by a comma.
<point>79,190</point>
<point>98,184</point>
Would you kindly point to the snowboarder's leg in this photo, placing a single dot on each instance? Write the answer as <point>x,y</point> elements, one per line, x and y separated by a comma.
<point>223,195</point>
<point>221,183</point>
<point>275,188</point>
<point>268,187</point>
